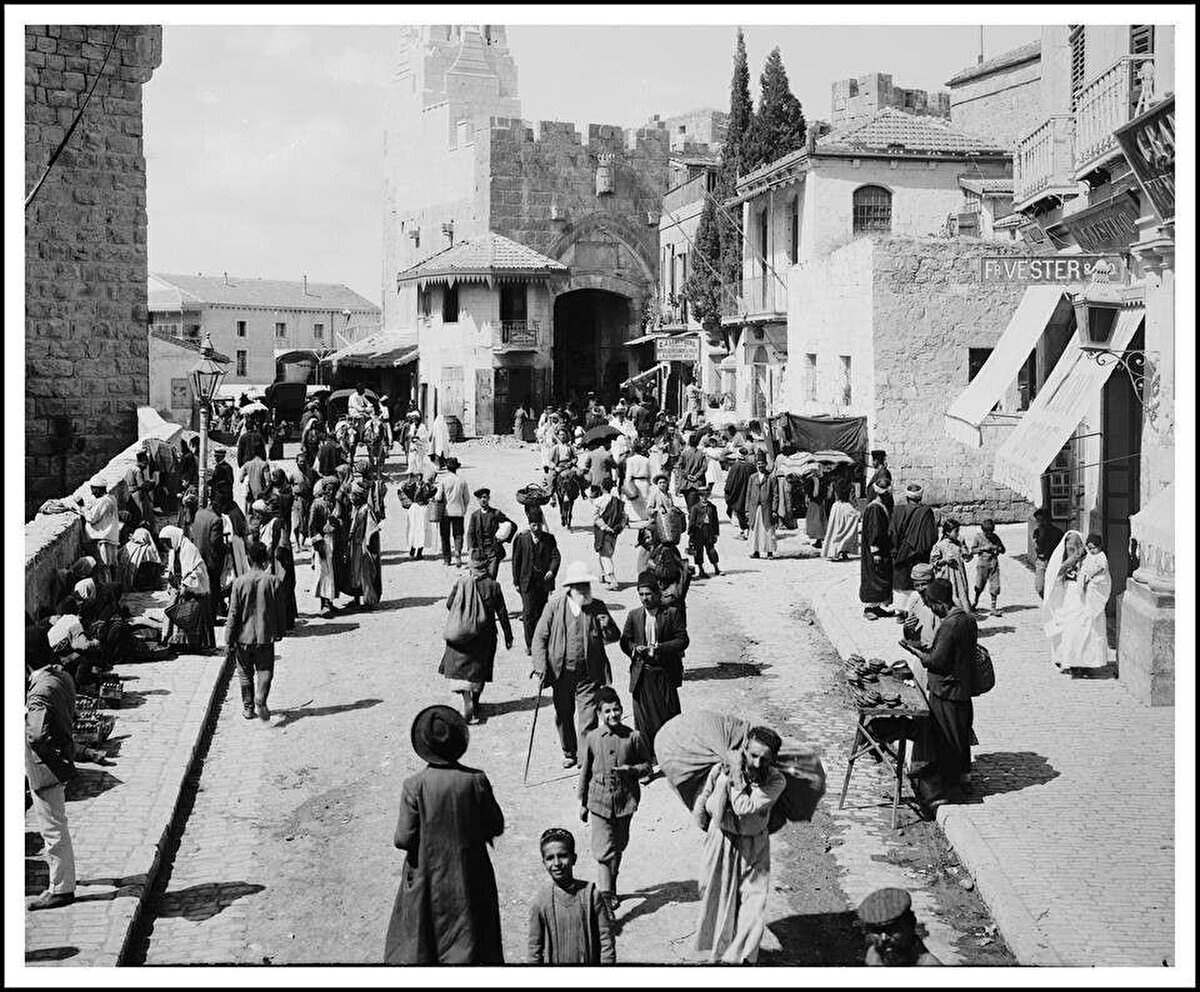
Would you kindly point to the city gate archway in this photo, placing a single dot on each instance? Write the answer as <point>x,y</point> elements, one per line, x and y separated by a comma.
<point>591,327</point>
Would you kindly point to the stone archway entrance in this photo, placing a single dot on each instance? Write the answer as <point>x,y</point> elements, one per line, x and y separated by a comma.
<point>591,327</point>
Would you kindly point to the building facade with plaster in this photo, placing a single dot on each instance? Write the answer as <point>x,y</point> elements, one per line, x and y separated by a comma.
<point>1094,186</point>
<point>270,328</point>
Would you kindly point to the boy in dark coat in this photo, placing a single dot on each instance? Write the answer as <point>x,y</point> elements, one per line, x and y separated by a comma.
<point>447,910</point>
<point>535,562</point>
<point>703,527</point>
<point>614,759</point>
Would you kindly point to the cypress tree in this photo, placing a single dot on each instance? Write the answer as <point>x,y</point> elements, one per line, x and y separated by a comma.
<point>702,288</point>
<point>778,128</point>
<point>741,116</point>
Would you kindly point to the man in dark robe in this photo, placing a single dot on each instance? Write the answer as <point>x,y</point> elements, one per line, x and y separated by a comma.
<point>447,909</point>
<point>481,531</point>
<point>881,474</point>
<point>207,532</point>
<point>736,480</point>
<point>654,639</point>
<point>222,475</point>
<point>913,533</point>
<point>251,445</point>
<point>329,456</point>
<point>535,563</point>
<point>950,667</point>
<point>875,586</point>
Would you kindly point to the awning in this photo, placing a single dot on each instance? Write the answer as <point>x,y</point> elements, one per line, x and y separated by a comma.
<point>1057,410</point>
<point>382,350</point>
<point>1027,325</point>
<point>645,339</point>
<point>1153,527</point>
<point>653,370</point>
<point>728,364</point>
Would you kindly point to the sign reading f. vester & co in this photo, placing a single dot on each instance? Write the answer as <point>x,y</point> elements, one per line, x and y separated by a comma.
<point>684,348</point>
<point>1050,268</point>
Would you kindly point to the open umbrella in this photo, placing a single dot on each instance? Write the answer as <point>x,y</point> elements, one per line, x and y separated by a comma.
<point>600,434</point>
<point>833,457</point>
<point>252,407</point>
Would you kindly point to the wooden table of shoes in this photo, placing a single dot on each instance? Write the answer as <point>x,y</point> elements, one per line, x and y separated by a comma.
<point>891,748</point>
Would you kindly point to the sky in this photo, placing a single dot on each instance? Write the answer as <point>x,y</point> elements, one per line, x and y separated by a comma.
<point>264,144</point>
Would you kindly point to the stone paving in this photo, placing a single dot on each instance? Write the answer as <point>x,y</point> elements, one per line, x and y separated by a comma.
<point>1071,841</point>
<point>292,824</point>
<point>119,814</point>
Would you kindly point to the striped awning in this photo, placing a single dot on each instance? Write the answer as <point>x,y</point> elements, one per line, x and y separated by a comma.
<point>1060,405</point>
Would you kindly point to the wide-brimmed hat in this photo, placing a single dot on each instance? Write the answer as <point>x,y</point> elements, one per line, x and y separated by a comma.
<point>482,491</point>
<point>439,735</point>
<point>578,573</point>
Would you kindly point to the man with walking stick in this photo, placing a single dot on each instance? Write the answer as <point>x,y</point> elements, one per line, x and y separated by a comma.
<point>569,656</point>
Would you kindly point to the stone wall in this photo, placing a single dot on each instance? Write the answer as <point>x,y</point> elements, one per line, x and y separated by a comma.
<point>85,249</point>
<point>55,540</point>
<point>1005,104</point>
<point>929,309</point>
<point>556,172</point>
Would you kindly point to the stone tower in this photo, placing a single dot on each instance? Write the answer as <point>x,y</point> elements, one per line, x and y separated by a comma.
<point>450,81</point>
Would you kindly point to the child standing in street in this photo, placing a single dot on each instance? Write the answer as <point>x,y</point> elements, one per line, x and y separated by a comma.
<point>615,758</point>
<point>987,548</point>
<point>569,921</point>
<point>703,527</point>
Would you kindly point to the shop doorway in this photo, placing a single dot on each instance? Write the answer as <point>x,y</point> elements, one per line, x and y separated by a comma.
<point>591,327</point>
<point>513,387</point>
<point>1121,442</point>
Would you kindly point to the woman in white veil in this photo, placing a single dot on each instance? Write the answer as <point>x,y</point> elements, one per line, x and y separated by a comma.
<point>1078,587</point>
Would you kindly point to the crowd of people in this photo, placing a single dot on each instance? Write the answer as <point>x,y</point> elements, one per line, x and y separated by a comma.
<point>643,472</point>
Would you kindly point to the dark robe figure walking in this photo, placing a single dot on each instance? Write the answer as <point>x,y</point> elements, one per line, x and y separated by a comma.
<point>447,909</point>
<point>875,585</point>
<point>535,563</point>
<point>913,532</point>
<point>737,480</point>
<point>473,661</point>
<point>654,639</point>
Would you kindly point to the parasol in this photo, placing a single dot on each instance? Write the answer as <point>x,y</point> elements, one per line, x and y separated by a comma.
<point>690,744</point>
<point>600,434</point>
<point>252,407</point>
<point>833,458</point>
<point>344,394</point>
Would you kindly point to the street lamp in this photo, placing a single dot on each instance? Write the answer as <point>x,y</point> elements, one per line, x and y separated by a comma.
<point>205,381</point>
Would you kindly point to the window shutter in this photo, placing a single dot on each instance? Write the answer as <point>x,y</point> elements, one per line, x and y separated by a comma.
<point>1077,41</point>
<point>1141,39</point>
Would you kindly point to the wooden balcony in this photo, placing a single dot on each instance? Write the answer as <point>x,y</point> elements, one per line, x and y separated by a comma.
<point>759,296</point>
<point>1044,164</point>
<point>1108,102</point>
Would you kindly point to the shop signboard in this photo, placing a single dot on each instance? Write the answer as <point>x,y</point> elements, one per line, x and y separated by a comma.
<point>1053,269</point>
<point>684,348</point>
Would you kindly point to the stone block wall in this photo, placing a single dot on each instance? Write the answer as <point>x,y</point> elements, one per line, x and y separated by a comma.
<point>530,176</point>
<point>929,309</point>
<point>1005,104</point>
<point>85,248</point>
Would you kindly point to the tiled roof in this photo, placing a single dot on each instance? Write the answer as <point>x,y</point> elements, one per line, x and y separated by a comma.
<point>483,255</point>
<point>986,186</point>
<point>1023,53</point>
<point>186,343</point>
<point>172,291</point>
<point>912,133</point>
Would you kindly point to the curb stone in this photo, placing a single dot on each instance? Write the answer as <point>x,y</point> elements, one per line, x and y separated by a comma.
<point>1029,944</point>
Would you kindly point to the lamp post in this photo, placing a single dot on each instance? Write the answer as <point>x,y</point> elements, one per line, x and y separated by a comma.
<point>205,381</point>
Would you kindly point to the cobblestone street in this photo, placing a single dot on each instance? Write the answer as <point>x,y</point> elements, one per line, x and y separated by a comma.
<point>292,824</point>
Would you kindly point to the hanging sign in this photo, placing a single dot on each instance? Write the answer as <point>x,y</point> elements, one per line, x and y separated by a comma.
<point>684,348</point>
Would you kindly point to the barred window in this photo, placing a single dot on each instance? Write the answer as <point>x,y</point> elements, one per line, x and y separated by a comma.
<point>872,210</point>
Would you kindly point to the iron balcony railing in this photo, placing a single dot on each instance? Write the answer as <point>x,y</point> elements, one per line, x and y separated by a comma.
<point>1105,104</point>
<point>519,334</point>
<point>1044,161</point>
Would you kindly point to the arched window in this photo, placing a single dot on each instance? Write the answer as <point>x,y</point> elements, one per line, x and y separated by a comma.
<point>872,210</point>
